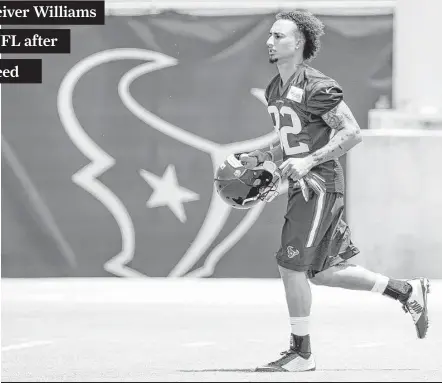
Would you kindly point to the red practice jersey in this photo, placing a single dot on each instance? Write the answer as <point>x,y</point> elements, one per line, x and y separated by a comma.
<point>296,111</point>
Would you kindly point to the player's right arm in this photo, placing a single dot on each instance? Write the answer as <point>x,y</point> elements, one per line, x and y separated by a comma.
<point>276,153</point>
<point>253,159</point>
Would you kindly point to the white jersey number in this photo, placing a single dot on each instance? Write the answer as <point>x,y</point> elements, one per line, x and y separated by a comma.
<point>283,131</point>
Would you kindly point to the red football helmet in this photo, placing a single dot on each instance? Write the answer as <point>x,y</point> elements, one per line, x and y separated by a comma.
<point>244,188</point>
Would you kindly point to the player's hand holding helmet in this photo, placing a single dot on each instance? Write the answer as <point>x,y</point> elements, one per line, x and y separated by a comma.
<point>253,159</point>
<point>243,188</point>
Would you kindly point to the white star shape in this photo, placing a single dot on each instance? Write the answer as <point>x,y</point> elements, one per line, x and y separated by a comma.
<point>167,192</point>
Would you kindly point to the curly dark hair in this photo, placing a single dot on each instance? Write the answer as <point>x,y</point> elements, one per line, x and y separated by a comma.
<point>310,26</point>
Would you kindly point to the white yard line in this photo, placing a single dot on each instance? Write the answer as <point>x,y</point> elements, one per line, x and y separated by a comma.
<point>368,345</point>
<point>198,344</point>
<point>20,346</point>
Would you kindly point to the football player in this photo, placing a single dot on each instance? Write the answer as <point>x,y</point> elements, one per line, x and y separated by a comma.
<point>315,128</point>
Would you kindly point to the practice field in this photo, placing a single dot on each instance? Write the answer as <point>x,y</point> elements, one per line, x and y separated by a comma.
<point>204,330</point>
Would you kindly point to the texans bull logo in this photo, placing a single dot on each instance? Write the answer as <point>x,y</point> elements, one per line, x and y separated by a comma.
<point>167,191</point>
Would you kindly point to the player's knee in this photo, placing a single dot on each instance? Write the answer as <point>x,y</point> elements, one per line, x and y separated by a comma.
<point>322,278</point>
<point>316,280</point>
<point>332,276</point>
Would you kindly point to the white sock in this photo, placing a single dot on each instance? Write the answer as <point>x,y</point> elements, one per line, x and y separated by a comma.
<point>381,284</point>
<point>300,325</point>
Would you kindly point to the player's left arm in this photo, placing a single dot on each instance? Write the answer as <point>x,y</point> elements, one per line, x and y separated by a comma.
<point>347,134</point>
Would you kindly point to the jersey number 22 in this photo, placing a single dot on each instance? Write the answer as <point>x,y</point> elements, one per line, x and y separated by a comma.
<point>283,131</point>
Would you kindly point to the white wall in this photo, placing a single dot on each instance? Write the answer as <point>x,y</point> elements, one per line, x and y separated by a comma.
<point>394,203</point>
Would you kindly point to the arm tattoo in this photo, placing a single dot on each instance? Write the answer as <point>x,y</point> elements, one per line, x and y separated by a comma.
<point>347,134</point>
<point>339,116</point>
<point>340,144</point>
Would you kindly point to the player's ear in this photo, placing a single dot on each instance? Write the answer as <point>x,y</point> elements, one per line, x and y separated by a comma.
<point>301,42</point>
<point>299,39</point>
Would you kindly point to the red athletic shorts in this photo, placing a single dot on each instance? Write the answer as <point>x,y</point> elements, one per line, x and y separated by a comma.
<point>314,235</point>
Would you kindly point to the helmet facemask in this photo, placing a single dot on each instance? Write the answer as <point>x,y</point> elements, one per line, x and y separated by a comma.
<point>265,183</point>
<point>258,184</point>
